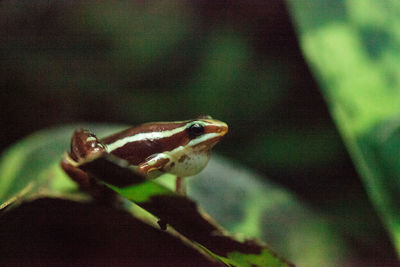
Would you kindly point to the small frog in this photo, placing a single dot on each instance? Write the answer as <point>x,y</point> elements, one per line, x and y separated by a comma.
<point>181,148</point>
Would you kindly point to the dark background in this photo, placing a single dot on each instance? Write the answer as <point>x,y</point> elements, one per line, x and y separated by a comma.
<point>116,62</point>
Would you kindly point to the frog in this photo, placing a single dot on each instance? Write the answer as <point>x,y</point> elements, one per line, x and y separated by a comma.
<point>180,148</point>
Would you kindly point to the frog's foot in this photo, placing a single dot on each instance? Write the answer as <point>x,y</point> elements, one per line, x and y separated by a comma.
<point>79,176</point>
<point>85,146</point>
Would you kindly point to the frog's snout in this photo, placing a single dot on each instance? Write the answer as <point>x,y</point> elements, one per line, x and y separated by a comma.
<point>223,129</point>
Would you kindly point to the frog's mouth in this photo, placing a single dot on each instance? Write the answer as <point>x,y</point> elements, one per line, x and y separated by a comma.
<point>208,144</point>
<point>218,127</point>
<point>213,141</point>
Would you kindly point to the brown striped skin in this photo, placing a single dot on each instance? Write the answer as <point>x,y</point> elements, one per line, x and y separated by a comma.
<point>137,152</point>
<point>144,128</point>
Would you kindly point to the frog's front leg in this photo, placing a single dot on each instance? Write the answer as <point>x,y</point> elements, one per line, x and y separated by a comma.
<point>154,162</point>
<point>162,162</point>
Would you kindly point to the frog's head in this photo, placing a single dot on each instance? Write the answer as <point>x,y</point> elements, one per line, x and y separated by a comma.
<point>193,145</point>
<point>203,133</point>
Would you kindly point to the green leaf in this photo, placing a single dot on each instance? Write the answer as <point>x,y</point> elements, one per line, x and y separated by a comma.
<point>248,204</point>
<point>142,192</point>
<point>182,214</point>
<point>353,49</point>
<point>31,166</point>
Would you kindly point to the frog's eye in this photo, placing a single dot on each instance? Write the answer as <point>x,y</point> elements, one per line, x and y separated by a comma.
<point>195,130</point>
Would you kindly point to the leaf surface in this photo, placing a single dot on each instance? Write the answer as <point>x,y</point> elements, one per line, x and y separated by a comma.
<point>182,214</point>
<point>353,49</point>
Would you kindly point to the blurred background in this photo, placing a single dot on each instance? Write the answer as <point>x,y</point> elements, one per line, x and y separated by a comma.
<point>132,62</point>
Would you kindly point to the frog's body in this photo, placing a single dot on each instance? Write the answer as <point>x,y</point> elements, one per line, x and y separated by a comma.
<point>181,148</point>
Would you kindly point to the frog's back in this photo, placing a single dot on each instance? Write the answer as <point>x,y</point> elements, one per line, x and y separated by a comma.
<point>137,143</point>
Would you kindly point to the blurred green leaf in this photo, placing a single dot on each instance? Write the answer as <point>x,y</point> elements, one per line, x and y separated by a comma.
<point>36,157</point>
<point>353,48</point>
<point>141,34</point>
<point>247,204</point>
<point>226,56</point>
<point>34,161</point>
<point>294,148</point>
<point>227,77</point>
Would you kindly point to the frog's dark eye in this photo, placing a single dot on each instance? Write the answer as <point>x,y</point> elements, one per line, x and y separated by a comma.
<point>195,130</point>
